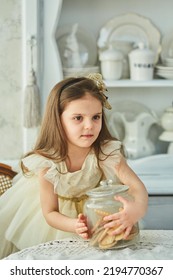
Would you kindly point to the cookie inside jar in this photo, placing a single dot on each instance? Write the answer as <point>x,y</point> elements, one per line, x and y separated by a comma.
<point>101,203</point>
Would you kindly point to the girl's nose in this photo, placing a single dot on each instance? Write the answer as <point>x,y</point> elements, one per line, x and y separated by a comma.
<point>88,124</point>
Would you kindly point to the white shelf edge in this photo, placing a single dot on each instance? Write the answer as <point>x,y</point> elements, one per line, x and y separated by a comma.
<point>131,83</point>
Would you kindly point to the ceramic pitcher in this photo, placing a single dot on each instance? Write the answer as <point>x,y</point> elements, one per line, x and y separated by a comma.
<point>136,141</point>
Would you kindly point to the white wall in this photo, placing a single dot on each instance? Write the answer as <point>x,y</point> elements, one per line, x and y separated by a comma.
<point>93,14</point>
<point>10,79</point>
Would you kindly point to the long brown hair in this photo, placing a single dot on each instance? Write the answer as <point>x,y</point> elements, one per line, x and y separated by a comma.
<point>52,141</point>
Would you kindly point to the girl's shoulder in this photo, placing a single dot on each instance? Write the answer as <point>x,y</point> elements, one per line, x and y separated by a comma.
<point>111,146</point>
<point>111,152</point>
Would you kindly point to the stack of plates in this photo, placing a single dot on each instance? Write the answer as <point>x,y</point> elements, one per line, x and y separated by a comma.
<point>165,72</point>
<point>168,61</point>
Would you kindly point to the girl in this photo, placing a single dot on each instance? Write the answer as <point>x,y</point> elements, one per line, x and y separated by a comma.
<point>73,153</point>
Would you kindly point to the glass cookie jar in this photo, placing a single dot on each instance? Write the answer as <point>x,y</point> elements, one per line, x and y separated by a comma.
<point>101,203</point>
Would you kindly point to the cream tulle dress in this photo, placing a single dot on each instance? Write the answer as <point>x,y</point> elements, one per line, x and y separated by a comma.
<point>21,221</point>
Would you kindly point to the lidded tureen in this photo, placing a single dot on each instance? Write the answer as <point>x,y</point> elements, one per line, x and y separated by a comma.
<point>111,63</point>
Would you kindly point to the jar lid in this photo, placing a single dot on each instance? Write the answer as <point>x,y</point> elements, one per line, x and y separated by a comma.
<point>111,54</point>
<point>103,191</point>
<point>142,51</point>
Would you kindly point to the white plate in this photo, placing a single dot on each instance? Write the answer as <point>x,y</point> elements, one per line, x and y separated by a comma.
<point>161,67</point>
<point>167,46</point>
<point>130,27</point>
<point>168,76</point>
<point>164,72</point>
<point>86,41</point>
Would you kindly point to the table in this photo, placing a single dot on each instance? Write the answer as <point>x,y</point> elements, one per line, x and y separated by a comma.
<point>152,245</point>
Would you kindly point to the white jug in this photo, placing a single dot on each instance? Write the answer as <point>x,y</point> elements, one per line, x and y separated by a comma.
<point>136,141</point>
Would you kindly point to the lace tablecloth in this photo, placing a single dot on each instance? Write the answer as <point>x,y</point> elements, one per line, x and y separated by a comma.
<point>153,244</point>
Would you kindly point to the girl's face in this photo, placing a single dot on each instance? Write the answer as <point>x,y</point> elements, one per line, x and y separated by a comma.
<point>82,121</point>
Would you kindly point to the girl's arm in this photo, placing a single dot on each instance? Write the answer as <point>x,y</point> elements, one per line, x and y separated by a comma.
<point>133,210</point>
<point>49,204</point>
<point>136,187</point>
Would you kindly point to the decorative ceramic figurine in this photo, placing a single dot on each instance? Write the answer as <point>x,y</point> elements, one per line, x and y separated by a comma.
<point>72,52</point>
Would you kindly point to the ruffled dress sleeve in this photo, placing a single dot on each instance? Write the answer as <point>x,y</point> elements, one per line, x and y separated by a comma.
<point>35,163</point>
<point>111,157</point>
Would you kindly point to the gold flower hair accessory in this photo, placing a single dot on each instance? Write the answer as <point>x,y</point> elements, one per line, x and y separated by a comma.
<point>97,78</point>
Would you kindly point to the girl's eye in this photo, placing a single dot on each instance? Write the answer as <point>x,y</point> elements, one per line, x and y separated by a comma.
<point>96,117</point>
<point>78,118</point>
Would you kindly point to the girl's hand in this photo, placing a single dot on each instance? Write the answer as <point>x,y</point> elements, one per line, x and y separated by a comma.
<point>81,226</point>
<point>123,220</point>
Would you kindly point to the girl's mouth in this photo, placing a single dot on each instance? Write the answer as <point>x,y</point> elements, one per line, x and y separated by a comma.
<point>87,135</point>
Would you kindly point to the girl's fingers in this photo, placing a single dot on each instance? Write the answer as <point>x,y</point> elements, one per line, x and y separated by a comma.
<point>84,235</point>
<point>82,232</point>
<point>112,217</point>
<point>127,232</point>
<point>82,229</point>
<point>81,217</point>
<point>120,199</point>
<point>117,230</point>
<point>117,215</point>
<point>113,223</point>
<point>80,225</point>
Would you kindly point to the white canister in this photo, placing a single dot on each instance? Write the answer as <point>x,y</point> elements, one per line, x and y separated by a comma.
<point>125,47</point>
<point>111,64</point>
<point>141,63</point>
